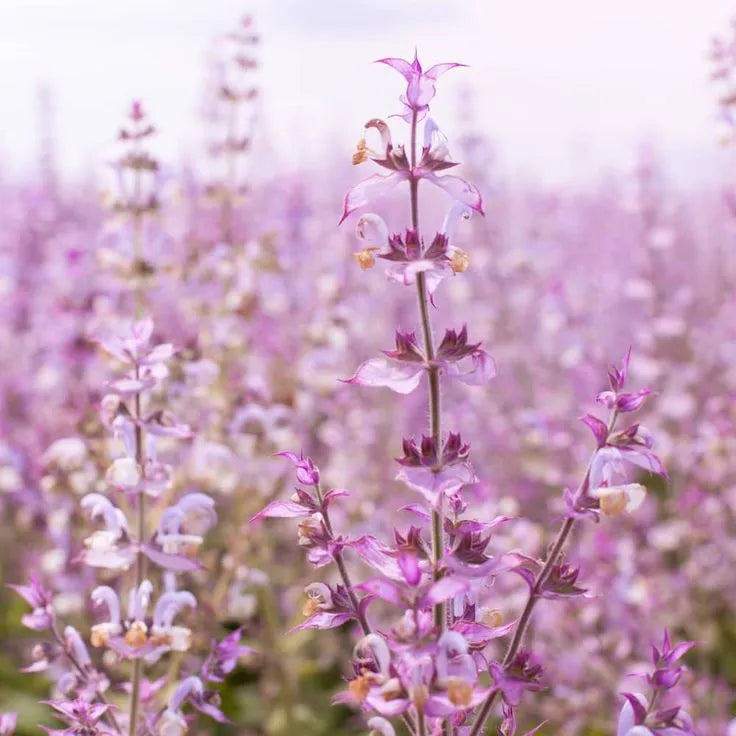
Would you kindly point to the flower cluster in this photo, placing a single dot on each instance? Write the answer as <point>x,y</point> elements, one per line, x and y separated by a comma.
<point>147,536</point>
<point>639,716</point>
<point>246,283</point>
<point>426,654</point>
<point>145,630</point>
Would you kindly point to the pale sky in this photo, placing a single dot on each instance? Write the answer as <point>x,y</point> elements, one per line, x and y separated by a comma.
<point>563,87</point>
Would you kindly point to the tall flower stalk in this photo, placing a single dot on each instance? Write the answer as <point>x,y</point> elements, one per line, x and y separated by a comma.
<point>142,565</point>
<point>428,666</point>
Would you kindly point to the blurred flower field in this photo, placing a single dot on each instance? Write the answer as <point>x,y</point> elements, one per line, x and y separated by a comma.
<point>187,353</point>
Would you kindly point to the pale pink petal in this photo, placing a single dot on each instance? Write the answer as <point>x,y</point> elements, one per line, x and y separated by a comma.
<point>406,274</point>
<point>459,189</point>
<point>324,620</point>
<point>435,71</point>
<point>402,66</point>
<point>378,556</point>
<point>371,189</point>
<point>443,590</point>
<point>178,563</point>
<point>111,559</point>
<point>158,354</point>
<point>380,372</point>
<point>449,480</point>
<point>282,510</point>
<point>387,590</point>
<point>483,370</point>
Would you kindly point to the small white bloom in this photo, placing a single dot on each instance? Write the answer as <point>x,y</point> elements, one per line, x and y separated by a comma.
<point>124,472</point>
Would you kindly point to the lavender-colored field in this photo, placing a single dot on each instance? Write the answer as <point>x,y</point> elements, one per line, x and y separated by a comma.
<point>415,433</point>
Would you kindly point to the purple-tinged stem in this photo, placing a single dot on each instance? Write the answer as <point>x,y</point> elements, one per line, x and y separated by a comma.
<point>348,583</point>
<point>435,405</point>
<point>535,593</point>
<point>343,570</point>
<point>435,396</point>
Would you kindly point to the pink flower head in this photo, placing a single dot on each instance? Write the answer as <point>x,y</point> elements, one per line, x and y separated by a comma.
<point>404,371</point>
<point>407,253</point>
<point>420,85</point>
<point>307,473</point>
<point>636,720</point>
<point>82,717</point>
<point>435,157</point>
<point>522,673</point>
<point>420,467</point>
<point>223,657</point>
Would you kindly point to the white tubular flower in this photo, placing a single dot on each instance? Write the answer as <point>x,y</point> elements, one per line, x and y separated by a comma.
<point>372,230</point>
<point>138,601</point>
<point>172,721</point>
<point>169,534</point>
<point>123,473</point>
<point>163,631</point>
<point>375,646</point>
<point>77,646</point>
<point>103,548</point>
<point>100,633</point>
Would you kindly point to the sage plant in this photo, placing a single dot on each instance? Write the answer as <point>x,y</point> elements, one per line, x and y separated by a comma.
<point>430,662</point>
<point>146,539</point>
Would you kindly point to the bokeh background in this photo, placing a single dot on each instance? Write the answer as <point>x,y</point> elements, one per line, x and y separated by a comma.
<point>599,139</point>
